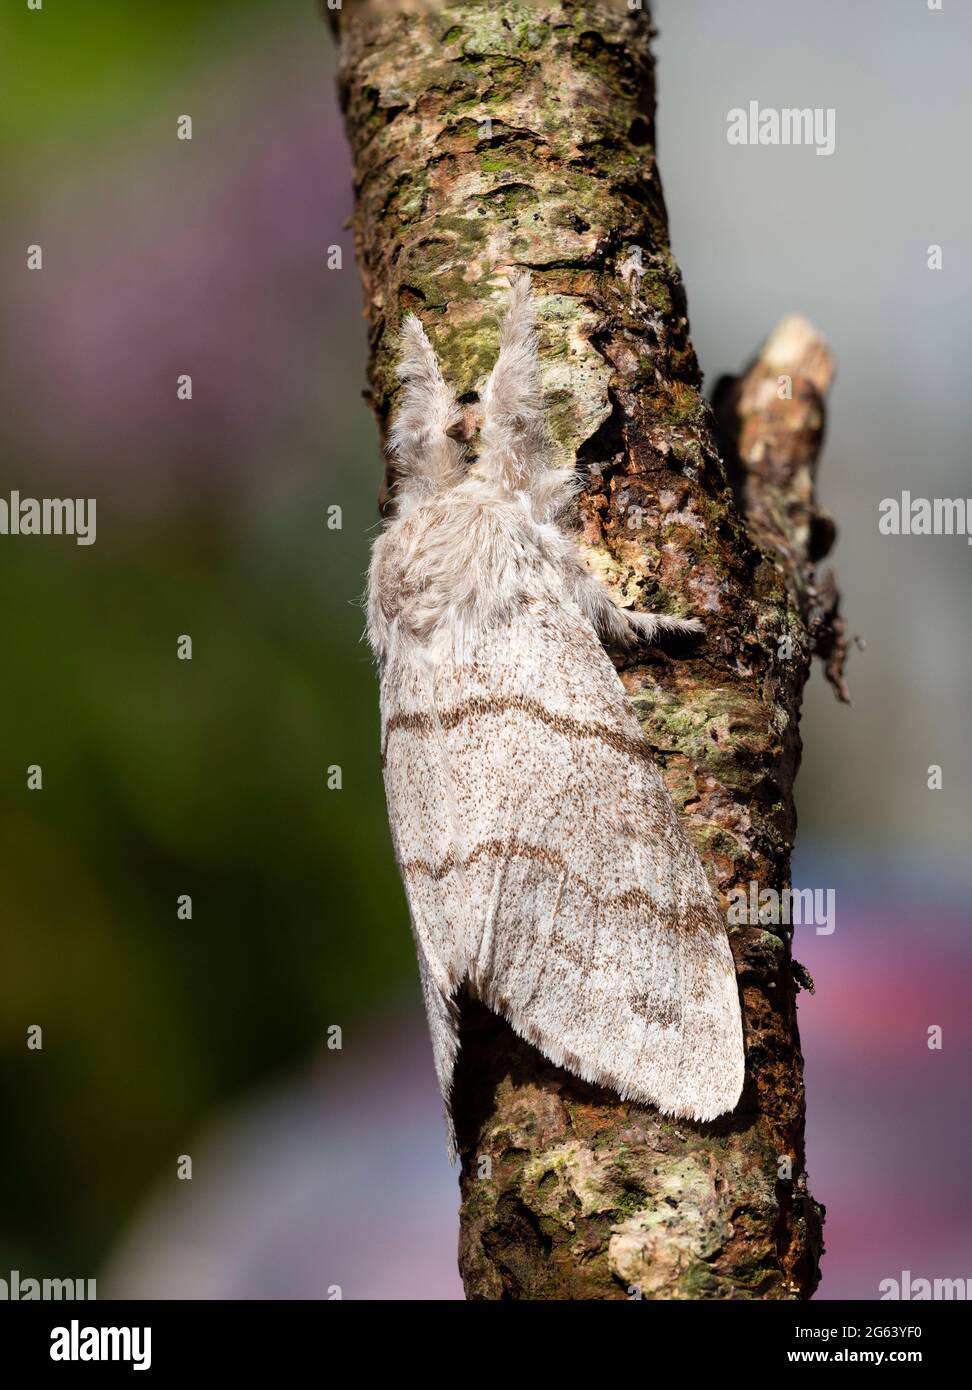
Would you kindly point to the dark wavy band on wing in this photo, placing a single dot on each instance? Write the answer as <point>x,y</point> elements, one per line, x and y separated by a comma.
<point>423,724</point>
<point>693,919</point>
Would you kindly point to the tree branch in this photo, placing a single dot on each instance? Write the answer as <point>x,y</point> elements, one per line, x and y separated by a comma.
<point>487,136</point>
<point>772,421</point>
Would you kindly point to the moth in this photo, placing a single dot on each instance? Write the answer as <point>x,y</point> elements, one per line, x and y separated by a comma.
<point>545,865</point>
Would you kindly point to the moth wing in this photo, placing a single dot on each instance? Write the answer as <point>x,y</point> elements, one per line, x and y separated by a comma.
<point>586,917</point>
<point>420,792</point>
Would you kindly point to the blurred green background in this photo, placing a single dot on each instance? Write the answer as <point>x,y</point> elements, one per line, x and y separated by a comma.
<point>161,776</point>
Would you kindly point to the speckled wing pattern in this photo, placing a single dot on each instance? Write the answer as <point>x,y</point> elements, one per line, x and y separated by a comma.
<point>544,862</point>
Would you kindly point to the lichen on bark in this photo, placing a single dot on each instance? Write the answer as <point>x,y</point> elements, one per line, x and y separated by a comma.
<point>493,135</point>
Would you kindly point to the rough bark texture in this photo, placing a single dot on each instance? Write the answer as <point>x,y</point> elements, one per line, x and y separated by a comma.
<point>500,134</point>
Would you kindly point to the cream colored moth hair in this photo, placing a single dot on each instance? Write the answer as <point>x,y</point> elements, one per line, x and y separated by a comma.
<point>545,865</point>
